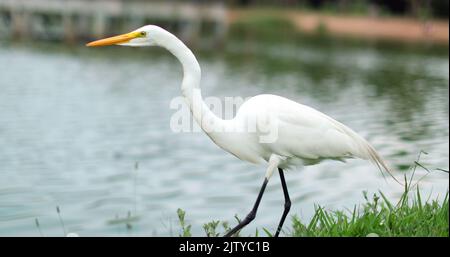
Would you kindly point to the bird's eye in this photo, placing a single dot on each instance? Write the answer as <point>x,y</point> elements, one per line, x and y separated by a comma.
<point>143,33</point>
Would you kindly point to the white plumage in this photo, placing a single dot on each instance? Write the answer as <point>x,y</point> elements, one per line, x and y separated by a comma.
<point>302,135</point>
<point>305,135</point>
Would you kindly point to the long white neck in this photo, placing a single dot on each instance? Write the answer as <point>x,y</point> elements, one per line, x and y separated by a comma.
<point>190,86</point>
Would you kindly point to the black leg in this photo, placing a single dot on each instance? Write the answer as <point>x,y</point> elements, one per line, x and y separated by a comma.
<point>287,202</point>
<point>251,216</point>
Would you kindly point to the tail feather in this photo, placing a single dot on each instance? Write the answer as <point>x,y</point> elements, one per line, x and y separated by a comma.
<point>364,149</point>
<point>381,164</point>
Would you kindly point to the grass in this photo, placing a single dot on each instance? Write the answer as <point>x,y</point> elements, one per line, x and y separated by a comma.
<point>410,216</point>
<point>267,27</point>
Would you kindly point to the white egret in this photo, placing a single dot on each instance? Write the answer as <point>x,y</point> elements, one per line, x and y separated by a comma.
<point>304,136</point>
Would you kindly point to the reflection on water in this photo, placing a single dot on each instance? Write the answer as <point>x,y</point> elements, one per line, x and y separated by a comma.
<point>74,123</point>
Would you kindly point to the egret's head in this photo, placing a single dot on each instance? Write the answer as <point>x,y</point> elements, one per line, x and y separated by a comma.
<point>145,36</point>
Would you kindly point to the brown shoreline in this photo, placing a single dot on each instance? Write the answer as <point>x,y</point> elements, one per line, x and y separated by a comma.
<point>386,28</point>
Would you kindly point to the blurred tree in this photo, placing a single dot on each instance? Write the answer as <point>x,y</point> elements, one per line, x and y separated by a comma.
<point>417,8</point>
<point>395,7</point>
<point>440,8</point>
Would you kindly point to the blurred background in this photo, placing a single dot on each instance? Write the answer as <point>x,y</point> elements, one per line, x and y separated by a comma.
<point>87,130</point>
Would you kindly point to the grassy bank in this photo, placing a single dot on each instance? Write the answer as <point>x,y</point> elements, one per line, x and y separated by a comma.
<point>378,216</point>
<point>401,29</point>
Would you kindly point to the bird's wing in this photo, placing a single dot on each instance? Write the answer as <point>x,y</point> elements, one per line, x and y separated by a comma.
<point>307,133</point>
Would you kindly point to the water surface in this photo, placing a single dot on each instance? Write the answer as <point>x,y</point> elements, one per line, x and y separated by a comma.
<point>74,122</point>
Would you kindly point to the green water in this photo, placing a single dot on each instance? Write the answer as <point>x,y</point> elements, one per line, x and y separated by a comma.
<point>74,121</point>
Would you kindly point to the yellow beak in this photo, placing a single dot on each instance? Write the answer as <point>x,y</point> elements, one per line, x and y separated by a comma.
<point>115,40</point>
